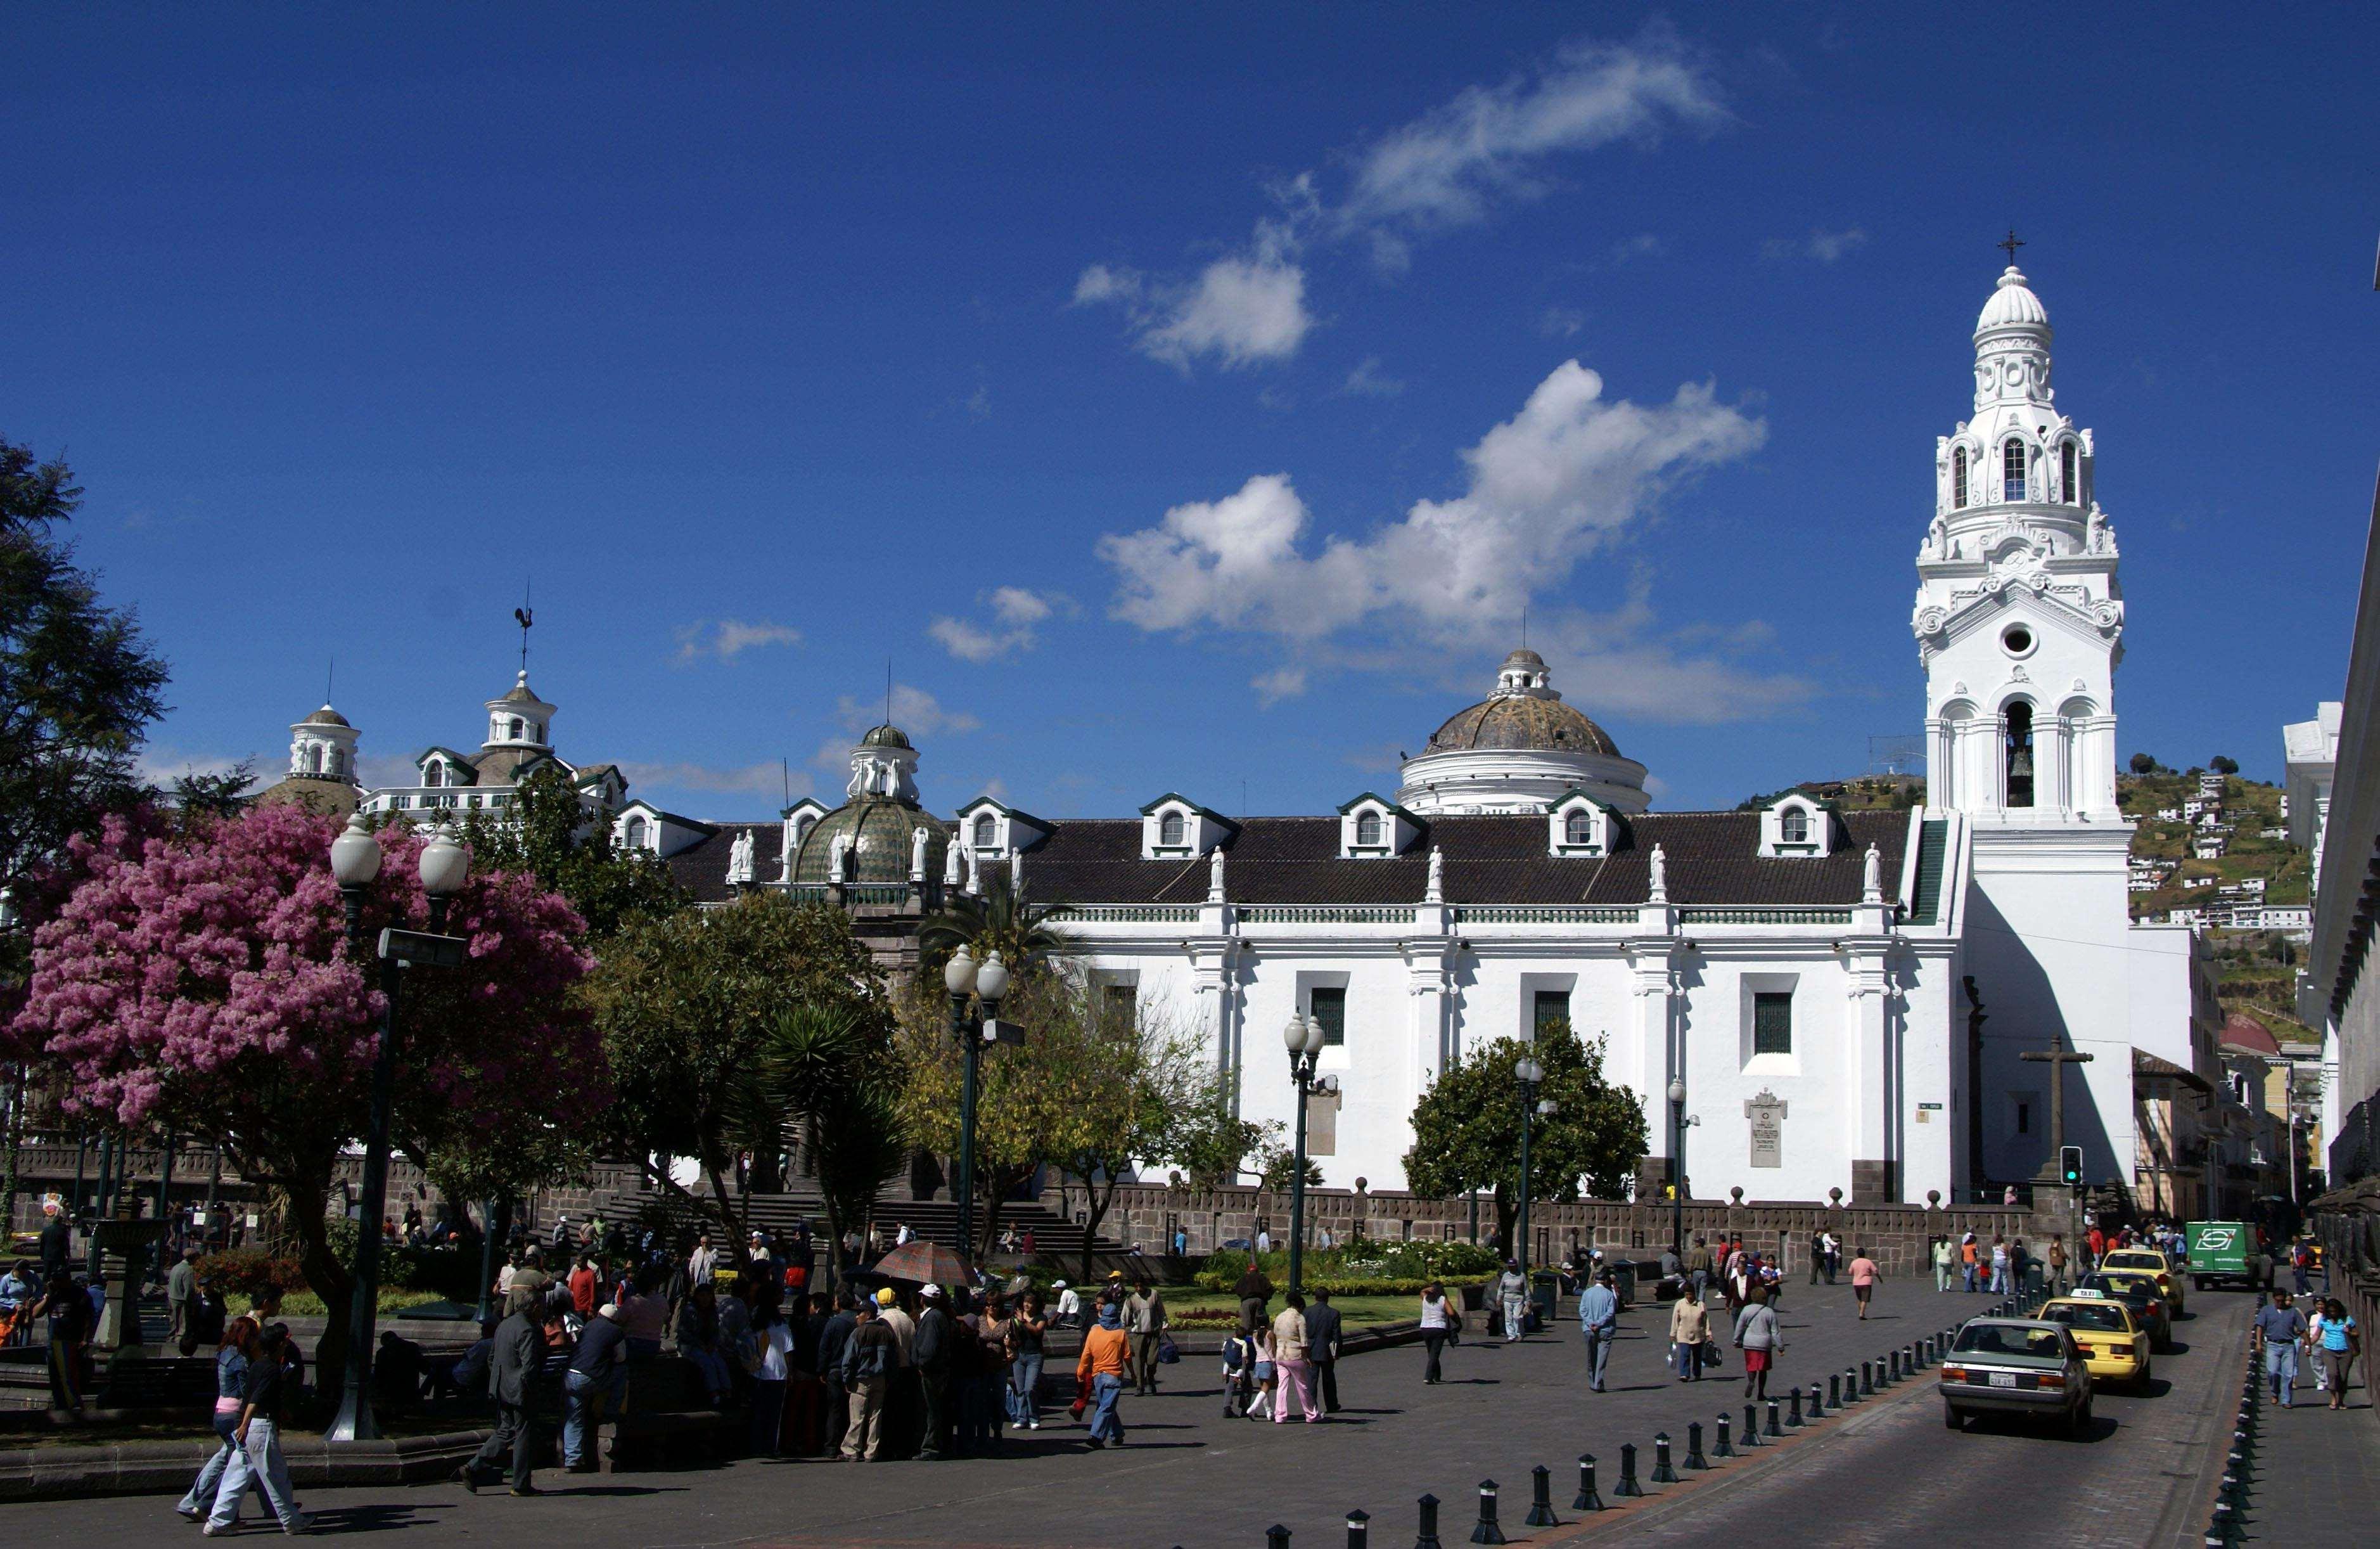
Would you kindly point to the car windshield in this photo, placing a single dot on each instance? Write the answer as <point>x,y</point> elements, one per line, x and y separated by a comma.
<point>2082,1314</point>
<point>2134,1258</point>
<point>2131,1287</point>
<point>2008,1340</point>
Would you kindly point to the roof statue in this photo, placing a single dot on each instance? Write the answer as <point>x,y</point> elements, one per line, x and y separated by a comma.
<point>1872,878</point>
<point>974,874</point>
<point>1016,873</point>
<point>1215,875</point>
<point>1660,886</point>
<point>917,855</point>
<point>838,859</point>
<point>739,858</point>
<point>951,864</point>
<point>1437,893</point>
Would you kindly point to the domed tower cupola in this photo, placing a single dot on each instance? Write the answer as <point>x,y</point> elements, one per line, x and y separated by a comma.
<point>1523,672</point>
<point>884,763</point>
<point>1517,750</point>
<point>520,720</point>
<point>2018,459</point>
<point>879,835</point>
<point>323,747</point>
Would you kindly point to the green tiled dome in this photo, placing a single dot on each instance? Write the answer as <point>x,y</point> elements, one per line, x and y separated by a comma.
<point>886,735</point>
<point>881,827</point>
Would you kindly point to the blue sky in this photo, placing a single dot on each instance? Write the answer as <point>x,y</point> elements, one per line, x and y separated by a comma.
<point>1178,403</point>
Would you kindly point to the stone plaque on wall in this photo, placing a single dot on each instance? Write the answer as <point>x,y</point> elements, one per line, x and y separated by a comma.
<point>1767,1116</point>
<point>1322,1124</point>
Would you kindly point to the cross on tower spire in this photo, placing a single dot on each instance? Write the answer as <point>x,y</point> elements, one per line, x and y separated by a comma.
<point>2009,244</point>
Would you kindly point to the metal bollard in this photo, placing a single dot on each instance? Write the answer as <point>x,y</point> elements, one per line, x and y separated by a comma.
<point>1541,1499</point>
<point>1794,1409</point>
<point>1487,1531</point>
<point>1695,1458</point>
<point>1850,1386</point>
<point>1428,1537</point>
<point>1834,1392</point>
<point>1662,1473</point>
<point>1359,1528</point>
<point>1752,1427</point>
<point>1276,1537</point>
<point>1772,1430</point>
<point>1815,1415</point>
<point>1868,1378</point>
<point>1719,1447</point>
<point>1628,1485</point>
<point>1587,1500</point>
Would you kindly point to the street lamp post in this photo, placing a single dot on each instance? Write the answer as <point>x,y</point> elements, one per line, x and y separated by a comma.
<point>355,862</point>
<point>1529,1073</point>
<point>1678,1167</point>
<point>1303,1037</point>
<point>985,983</point>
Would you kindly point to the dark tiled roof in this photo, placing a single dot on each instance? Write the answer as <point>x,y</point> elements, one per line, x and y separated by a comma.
<point>1713,858</point>
<point>701,868</point>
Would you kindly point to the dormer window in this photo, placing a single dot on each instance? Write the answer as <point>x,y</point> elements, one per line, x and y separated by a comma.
<point>1959,479</point>
<point>2012,470</point>
<point>1577,824</point>
<point>1578,829</point>
<point>1793,826</point>
<point>1367,828</point>
<point>1169,830</point>
<point>802,826</point>
<point>638,830</point>
<point>987,832</point>
<point>1798,825</point>
<point>433,775</point>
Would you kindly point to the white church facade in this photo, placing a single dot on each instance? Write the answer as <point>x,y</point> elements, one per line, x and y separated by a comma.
<point>1845,996</point>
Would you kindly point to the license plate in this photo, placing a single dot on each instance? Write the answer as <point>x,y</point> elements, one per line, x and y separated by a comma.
<point>2003,1379</point>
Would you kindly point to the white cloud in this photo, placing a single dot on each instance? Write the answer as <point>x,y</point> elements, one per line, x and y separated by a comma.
<point>1546,488</point>
<point>1281,683</point>
<point>1452,166</point>
<point>1368,381</point>
<point>765,778</point>
<point>161,765</point>
<point>1823,247</point>
<point>728,639</point>
<point>1561,322</point>
<point>914,711</point>
<point>1242,310</point>
<point>1016,611</point>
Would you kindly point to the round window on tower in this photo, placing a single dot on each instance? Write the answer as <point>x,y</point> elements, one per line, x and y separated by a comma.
<point>2017,640</point>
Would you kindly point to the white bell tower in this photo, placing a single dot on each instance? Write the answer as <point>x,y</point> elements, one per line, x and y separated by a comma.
<point>2020,626</point>
<point>2019,618</point>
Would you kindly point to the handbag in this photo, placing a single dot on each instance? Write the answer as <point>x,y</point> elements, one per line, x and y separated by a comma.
<point>1712,1357</point>
<point>1168,1352</point>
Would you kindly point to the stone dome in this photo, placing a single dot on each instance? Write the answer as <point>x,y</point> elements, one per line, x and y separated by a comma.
<point>881,829</point>
<point>2012,305</point>
<point>326,716</point>
<point>1523,713</point>
<point>886,736</point>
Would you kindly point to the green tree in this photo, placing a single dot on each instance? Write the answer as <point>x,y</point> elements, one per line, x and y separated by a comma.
<point>2223,764</point>
<point>2144,764</point>
<point>1001,921</point>
<point>832,1072</point>
<point>688,1003</point>
<point>548,833</point>
<point>1142,1079</point>
<point>1467,1127</point>
<point>1216,1143</point>
<point>78,685</point>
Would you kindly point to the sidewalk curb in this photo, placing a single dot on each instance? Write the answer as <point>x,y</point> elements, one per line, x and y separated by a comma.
<point>158,1467</point>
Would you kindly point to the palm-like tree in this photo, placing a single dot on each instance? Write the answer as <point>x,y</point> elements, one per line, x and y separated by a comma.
<point>1001,921</point>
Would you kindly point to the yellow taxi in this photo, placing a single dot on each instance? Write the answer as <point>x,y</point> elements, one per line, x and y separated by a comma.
<point>2149,1261</point>
<point>2115,1345</point>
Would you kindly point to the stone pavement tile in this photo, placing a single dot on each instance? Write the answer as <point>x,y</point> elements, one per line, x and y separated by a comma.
<point>2317,1473</point>
<point>1188,1476</point>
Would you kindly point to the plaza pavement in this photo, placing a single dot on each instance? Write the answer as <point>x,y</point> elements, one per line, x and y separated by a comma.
<point>1190,1477</point>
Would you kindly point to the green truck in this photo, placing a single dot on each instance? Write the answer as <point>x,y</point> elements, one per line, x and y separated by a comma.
<point>2228,1252</point>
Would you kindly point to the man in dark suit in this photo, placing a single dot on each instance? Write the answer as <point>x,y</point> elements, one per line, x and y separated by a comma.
<point>515,1362</point>
<point>1323,1349</point>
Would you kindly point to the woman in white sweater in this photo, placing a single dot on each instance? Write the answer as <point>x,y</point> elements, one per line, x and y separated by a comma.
<point>1689,1327</point>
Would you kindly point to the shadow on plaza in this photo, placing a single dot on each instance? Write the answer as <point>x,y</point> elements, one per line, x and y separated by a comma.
<point>2102,1428</point>
<point>376,1519</point>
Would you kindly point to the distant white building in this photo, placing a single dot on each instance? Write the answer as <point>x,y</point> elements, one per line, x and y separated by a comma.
<point>2311,750</point>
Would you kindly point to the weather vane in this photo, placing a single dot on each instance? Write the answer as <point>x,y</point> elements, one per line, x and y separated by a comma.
<point>2010,245</point>
<point>526,619</point>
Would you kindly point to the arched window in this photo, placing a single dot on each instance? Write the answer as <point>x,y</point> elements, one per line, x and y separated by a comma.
<point>2070,465</point>
<point>2012,470</point>
<point>1367,828</point>
<point>433,775</point>
<point>1168,829</point>
<point>636,831</point>
<point>802,826</point>
<point>514,731</point>
<point>314,759</point>
<point>985,831</point>
<point>1578,828</point>
<point>1793,825</point>
<point>1959,479</point>
<point>338,761</point>
<point>2020,754</point>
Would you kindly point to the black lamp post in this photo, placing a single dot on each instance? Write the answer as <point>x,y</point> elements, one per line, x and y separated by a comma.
<point>1528,1072</point>
<point>1303,1037</point>
<point>355,862</point>
<point>1678,1167</point>
<point>985,985</point>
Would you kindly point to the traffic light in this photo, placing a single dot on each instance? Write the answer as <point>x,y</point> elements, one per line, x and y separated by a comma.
<point>2070,1166</point>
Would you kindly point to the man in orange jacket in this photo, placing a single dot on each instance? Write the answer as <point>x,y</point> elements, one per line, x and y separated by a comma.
<point>1106,1356</point>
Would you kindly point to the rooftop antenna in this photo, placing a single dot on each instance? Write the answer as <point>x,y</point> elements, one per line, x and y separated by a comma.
<point>785,768</point>
<point>2010,243</point>
<point>330,675</point>
<point>888,690</point>
<point>527,617</point>
<point>1525,626</point>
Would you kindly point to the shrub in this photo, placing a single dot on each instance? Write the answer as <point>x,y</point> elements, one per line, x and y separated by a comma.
<point>251,1271</point>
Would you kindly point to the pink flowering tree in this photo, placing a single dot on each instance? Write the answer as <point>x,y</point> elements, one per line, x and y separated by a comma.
<point>199,981</point>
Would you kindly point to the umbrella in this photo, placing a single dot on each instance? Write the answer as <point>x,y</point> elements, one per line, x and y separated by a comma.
<point>920,1261</point>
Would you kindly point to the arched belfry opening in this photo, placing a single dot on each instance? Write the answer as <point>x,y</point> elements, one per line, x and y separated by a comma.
<point>2020,754</point>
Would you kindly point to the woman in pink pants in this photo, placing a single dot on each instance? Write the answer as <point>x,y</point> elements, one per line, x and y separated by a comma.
<point>1296,1372</point>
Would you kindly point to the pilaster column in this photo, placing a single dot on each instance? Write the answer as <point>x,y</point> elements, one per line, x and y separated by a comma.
<point>1875,1172</point>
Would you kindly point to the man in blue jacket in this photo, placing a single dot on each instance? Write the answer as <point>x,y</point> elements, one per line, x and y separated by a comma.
<point>1598,1319</point>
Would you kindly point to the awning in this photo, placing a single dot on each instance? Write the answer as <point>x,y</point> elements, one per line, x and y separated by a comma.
<point>2147,1064</point>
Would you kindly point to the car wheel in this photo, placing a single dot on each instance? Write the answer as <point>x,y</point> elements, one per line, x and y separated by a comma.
<point>2078,1420</point>
<point>1951,1419</point>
